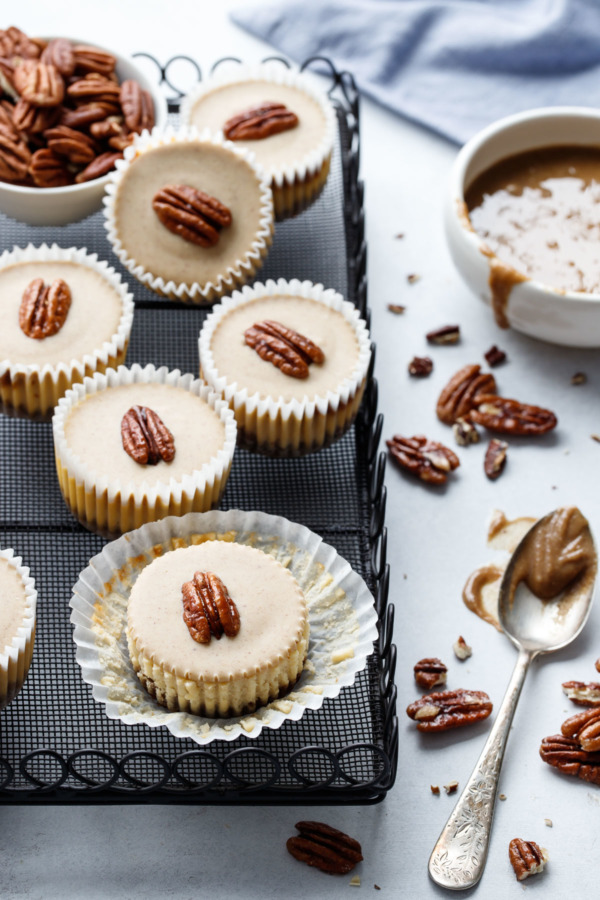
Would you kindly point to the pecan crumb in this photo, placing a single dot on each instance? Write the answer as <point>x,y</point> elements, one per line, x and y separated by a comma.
<point>430,672</point>
<point>412,278</point>
<point>461,649</point>
<point>449,334</point>
<point>595,437</point>
<point>501,796</point>
<point>435,788</point>
<point>579,378</point>
<point>451,787</point>
<point>355,881</point>
<point>526,857</point>
<point>495,356</point>
<point>376,886</point>
<point>548,823</point>
<point>597,664</point>
<point>399,236</point>
<point>396,308</point>
<point>465,432</point>
<point>582,694</point>
<point>420,366</point>
<point>495,459</point>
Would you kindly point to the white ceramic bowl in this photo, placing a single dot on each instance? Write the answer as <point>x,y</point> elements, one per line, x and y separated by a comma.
<point>538,310</point>
<point>62,205</point>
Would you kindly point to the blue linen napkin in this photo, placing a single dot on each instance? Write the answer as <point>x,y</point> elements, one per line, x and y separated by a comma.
<point>452,65</point>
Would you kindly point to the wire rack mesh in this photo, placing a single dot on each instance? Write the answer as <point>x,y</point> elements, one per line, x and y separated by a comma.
<point>56,743</point>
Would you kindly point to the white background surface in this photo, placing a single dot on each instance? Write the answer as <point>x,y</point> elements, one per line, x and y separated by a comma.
<point>436,538</point>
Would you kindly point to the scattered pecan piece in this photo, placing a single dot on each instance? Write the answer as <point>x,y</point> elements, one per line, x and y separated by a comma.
<point>435,789</point>
<point>465,432</point>
<point>511,416</point>
<point>595,437</point>
<point>260,122</point>
<point>443,710</point>
<point>208,610</point>
<point>287,349</point>
<point>451,787</point>
<point>146,438</point>
<point>597,664</point>
<point>49,170</point>
<point>193,215</point>
<point>91,59</point>
<point>412,279</point>
<point>585,727</point>
<point>15,157</point>
<point>461,649</point>
<point>579,378</point>
<point>325,848</point>
<point>76,146</point>
<point>582,694</point>
<point>137,107</point>
<point>38,83</point>
<point>59,53</point>
<point>526,858</point>
<point>429,460</point>
<point>565,754</point>
<point>495,459</point>
<point>461,394</point>
<point>44,308</point>
<point>449,334</point>
<point>495,356</point>
<point>430,672</point>
<point>420,366</point>
<point>396,308</point>
<point>98,167</point>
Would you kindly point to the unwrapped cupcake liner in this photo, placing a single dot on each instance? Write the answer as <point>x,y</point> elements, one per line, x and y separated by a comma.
<point>15,657</point>
<point>110,507</point>
<point>274,426</point>
<point>296,184</point>
<point>343,622</point>
<point>34,390</point>
<point>235,275</point>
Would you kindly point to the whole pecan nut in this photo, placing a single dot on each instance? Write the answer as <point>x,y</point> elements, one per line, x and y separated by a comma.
<point>260,122</point>
<point>582,694</point>
<point>430,672</point>
<point>15,157</point>
<point>94,87</point>
<point>137,106</point>
<point>526,857</point>
<point>566,755</point>
<point>443,710</point>
<point>208,610</point>
<point>511,416</point>
<point>193,215</point>
<point>428,460</point>
<point>460,395</point>
<point>325,848</point>
<point>44,308</point>
<point>287,349</point>
<point>495,458</point>
<point>38,83</point>
<point>91,59</point>
<point>77,147</point>
<point>146,438</point>
<point>585,727</point>
<point>59,53</point>
<point>49,170</point>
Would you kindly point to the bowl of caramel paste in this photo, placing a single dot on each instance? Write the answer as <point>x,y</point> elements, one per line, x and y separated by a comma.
<point>523,222</point>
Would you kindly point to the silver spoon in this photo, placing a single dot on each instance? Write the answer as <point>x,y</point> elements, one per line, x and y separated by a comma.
<point>534,626</point>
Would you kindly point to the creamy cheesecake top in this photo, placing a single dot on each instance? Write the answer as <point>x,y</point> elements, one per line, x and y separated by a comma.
<point>13,602</point>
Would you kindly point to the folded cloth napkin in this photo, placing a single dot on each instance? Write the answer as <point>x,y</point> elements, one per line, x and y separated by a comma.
<point>452,65</point>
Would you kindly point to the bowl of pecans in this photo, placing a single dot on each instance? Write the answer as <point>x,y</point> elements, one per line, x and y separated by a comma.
<point>67,112</point>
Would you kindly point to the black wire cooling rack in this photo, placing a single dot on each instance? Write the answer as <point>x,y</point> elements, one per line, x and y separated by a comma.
<point>56,743</point>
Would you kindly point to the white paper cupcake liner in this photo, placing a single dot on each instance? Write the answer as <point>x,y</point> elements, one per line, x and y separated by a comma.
<point>237,273</point>
<point>343,622</point>
<point>288,428</point>
<point>296,183</point>
<point>34,390</point>
<point>110,507</point>
<point>15,657</point>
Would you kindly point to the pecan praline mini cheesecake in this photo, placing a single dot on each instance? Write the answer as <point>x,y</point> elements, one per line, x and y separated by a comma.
<point>135,445</point>
<point>65,315</point>
<point>280,116</point>
<point>18,599</point>
<point>291,359</point>
<point>217,629</point>
<point>189,214</point>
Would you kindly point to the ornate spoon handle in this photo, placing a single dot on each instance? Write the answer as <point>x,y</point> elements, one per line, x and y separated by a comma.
<point>459,857</point>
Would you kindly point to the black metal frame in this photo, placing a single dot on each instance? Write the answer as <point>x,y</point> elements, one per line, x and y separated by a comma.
<point>312,774</point>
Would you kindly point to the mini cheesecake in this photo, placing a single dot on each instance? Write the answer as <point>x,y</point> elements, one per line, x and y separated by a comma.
<point>226,675</point>
<point>17,624</point>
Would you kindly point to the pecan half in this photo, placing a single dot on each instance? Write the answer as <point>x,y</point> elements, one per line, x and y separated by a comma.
<point>44,308</point>
<point>14,42</point>
<point>31,119</point>
<point>77,147</point>
<point>582,694</point>
<point>428,460</point>
<point>443,710</point>
<point>94,87</point>
<point>87,113</point>
<point>7,123</point>
<point>495,458</point>
<point>585,727</point>
<point>40,84</point>
<point>512,417</point>
<point>146,438</point>
<point>260,122</point>
<point>15,157</point>
<point>461,393</point>
<point>137,107</point>
<point>49,170</point>
<point>91,59</point>
<point>98,167</point>
<point>526,858</point>
<point>287,349</point>
<point>420,366</point>
<point>430,672</point>
<point>325,848</point>
<point>565,754</point>
<point>208,610</point>
<point>59,53</point>
<point>448,334</point>
<point>193,215</point>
